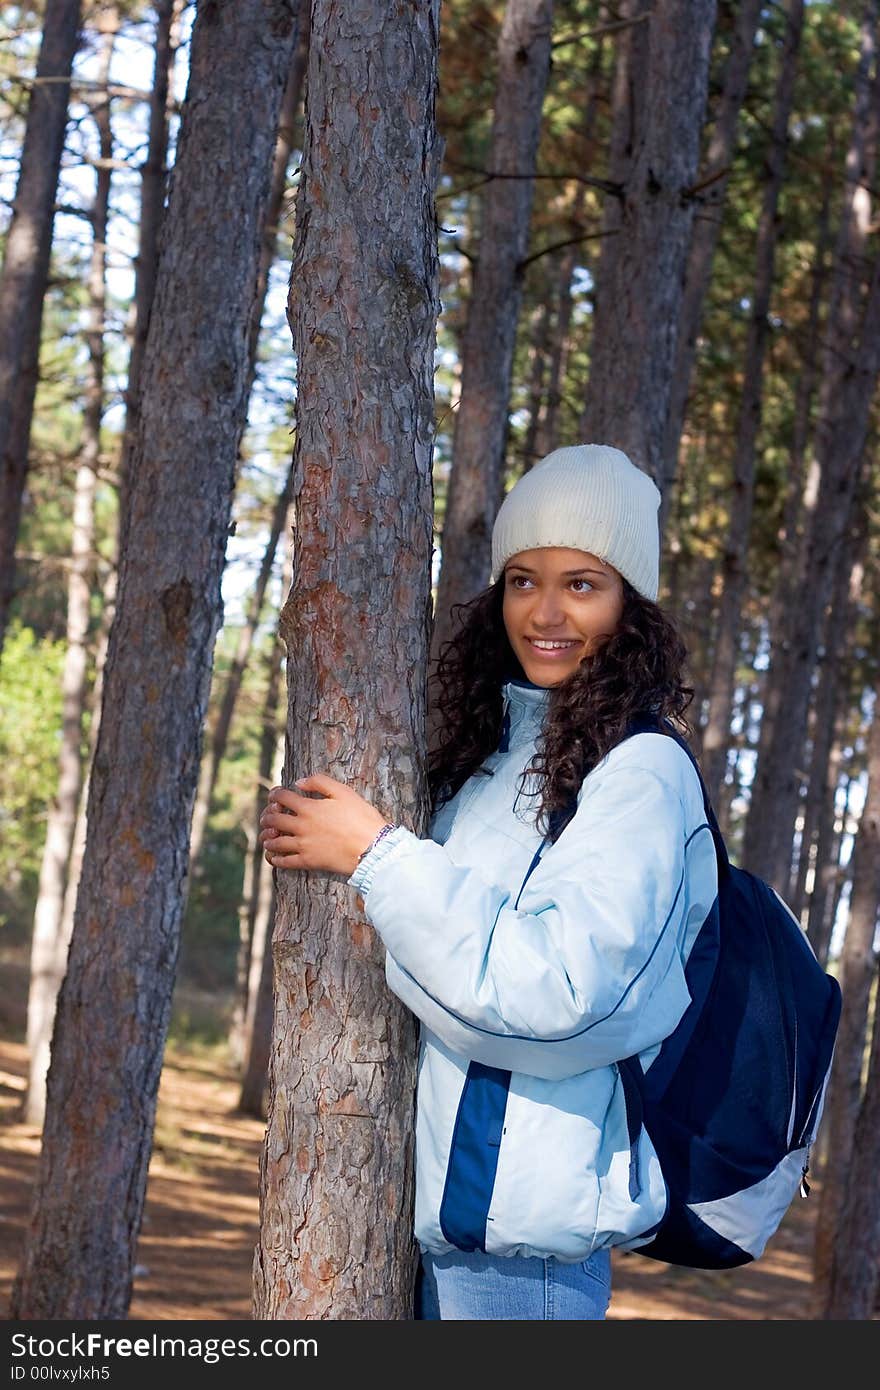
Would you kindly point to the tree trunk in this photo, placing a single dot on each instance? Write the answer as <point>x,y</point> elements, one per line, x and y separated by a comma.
<point>855,1270</point>
<point>258,1024</point>
<point>641,268</point>
<point>851,359</point>
<point>539,353</point>
<point>26,272</point>
<point>704,238</point>
<point>278,186</point>
<point>153,176</point>
<point>826,866</point>
<point>151,212</point>
<point>546,437</point>
<point>857,972</point>
<point>219,736</point>
<point>115,1003</point>
<point>832,690</point>
<point>716,731</point>
<point>269,772</point>
<point>49,944</point>
<point>490,335</point>
<point>258,1014</point>
<point>793,536</point>
<point>336,1173</point>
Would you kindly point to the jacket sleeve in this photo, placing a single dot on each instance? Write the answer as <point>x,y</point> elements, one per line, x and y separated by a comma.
<point>586,969</point>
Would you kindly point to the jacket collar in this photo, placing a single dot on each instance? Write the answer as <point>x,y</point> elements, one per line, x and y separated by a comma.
<point>525,705</point>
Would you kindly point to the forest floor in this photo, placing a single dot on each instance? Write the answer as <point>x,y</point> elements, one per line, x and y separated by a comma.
<point>200,1222</point>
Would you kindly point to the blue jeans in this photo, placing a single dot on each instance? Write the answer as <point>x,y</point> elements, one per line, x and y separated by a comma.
<point>473,1286</point>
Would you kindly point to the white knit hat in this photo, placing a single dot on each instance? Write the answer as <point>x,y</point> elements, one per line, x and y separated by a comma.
<point>589,497</point>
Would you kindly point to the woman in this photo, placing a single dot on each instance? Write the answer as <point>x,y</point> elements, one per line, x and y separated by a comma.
<point>541,933</point>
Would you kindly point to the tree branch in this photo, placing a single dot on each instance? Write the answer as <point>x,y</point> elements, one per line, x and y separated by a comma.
<point>558,245</point>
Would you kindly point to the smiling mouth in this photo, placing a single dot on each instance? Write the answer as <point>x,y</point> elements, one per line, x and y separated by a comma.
<point>553,648</point>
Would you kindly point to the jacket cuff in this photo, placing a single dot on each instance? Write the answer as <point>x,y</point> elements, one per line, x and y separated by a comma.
<point>362,878</point>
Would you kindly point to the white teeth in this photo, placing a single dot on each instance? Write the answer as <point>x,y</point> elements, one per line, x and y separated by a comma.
<point>552,646</point>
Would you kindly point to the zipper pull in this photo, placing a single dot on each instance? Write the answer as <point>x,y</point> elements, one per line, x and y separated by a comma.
<point>805,1186</point>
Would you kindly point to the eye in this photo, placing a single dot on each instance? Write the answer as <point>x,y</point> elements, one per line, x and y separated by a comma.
<point>515,580</point>
<point>582,581</point>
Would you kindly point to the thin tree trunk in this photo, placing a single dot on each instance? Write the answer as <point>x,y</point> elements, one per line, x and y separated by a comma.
<point>278,187</point>
<point>827,863</point>
<point>858,968</point>
<point>153,176</point>
<point>641,268</point>
<point>490,335</point>
<point>219,736</point>
<point>48,943</point>
<point>800,499</point>
<point>704,237</point>
<point>115,1002</point>
<point>258,1024</point>
<point>26,272</point>
<point>716,731</point>
<point>269,772</point>
<point>855,1269</point>
<point>547,433</point>
<point>832,690</point>
<point>258,1010</point>
<point>539,352</point>
<point>336,1172</point>
<point>850,367</point>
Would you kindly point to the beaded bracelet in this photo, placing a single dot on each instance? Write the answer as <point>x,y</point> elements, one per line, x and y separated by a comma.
<point>386,830</point>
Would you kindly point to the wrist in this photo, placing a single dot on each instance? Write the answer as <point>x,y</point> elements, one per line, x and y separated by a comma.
<point>384,830</point>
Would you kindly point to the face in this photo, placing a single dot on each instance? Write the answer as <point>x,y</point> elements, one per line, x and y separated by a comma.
<point>554,594</point>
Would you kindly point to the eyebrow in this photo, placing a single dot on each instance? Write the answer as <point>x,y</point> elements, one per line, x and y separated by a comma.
<point>566,574</point>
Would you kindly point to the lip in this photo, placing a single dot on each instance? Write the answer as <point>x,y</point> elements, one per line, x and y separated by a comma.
<point>558,652</point>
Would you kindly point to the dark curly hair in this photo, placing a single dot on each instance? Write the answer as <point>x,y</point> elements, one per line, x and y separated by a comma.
<point>638,671</point>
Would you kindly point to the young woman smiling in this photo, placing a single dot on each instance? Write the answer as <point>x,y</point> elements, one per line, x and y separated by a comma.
<point>542,930</point>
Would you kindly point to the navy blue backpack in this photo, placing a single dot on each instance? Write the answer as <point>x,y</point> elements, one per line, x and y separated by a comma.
<point>733,1098</point>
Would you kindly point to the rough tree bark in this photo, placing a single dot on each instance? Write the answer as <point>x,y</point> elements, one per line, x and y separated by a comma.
<point>660,102</point>
<point>858,968</point>
<point>851,360</point>
<point>115,1002</point>
<point>26,271</point>
<point>48,942</point>
<point>704,236</point>
<point>336,1173</point>
<point>716,731</point>
<point>490,334</point>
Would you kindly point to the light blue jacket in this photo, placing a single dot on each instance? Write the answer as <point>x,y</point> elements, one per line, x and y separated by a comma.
<point>528,999</point>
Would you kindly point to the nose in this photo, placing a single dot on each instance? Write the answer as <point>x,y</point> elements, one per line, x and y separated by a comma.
<point>548,611</point>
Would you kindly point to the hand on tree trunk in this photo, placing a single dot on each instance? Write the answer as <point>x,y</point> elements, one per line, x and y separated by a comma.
<point>328,832</point>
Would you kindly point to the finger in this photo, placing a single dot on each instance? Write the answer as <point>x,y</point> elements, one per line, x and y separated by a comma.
<point>284,844</point>
<point>286,821</point>
<point>285,798</point>
<point>320,782</point>
<point>287,861</point>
